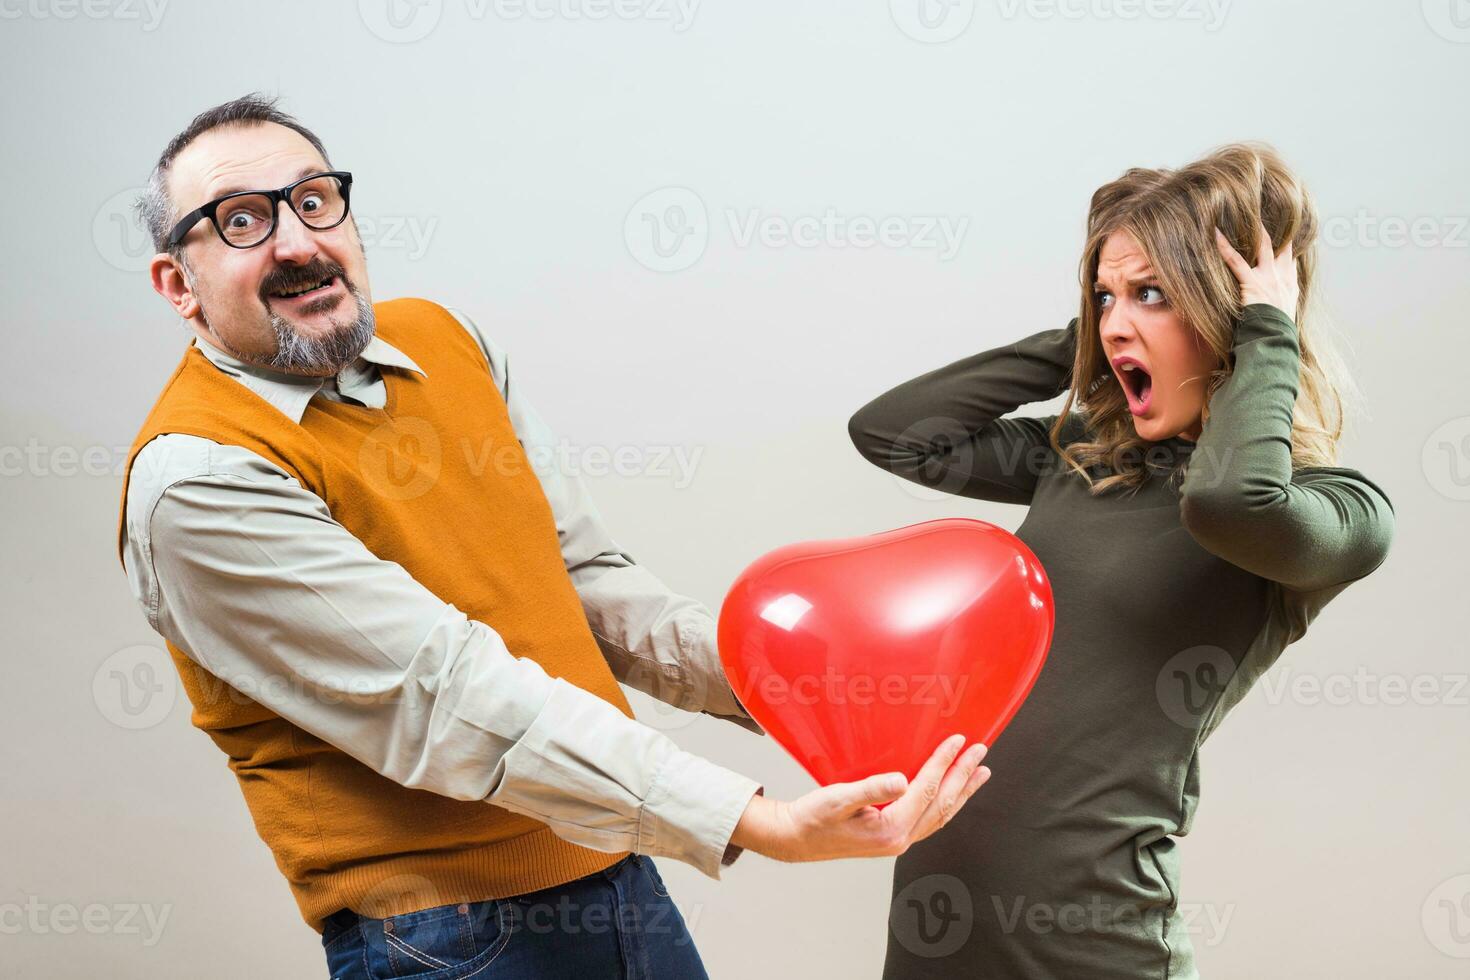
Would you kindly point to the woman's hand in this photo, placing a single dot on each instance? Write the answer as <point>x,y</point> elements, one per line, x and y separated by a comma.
<point>843,820</point>
<point>1272,280</point>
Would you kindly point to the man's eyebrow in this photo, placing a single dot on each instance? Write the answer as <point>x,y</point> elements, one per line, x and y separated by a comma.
<point>1148,280</point>
<point>235,188</point>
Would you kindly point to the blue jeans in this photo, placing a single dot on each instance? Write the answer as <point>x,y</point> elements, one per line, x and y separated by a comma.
<point>614,923</point>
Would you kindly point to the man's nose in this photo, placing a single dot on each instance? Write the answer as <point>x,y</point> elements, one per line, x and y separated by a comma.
<point>293,241</point>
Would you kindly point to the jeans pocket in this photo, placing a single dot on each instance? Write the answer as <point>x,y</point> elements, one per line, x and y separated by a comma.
<point>440,943</point>
<point>656,879</point>
<point>340,925</point>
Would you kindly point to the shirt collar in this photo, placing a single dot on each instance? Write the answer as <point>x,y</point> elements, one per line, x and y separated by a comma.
<point>290,393</point>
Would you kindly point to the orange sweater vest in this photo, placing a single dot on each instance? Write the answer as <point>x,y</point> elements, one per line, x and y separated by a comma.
<point>436,481</point>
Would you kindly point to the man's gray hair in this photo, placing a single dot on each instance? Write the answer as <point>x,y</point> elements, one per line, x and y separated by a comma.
<point>153,207</point>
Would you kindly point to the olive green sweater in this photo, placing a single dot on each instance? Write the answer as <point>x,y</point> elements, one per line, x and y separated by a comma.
<point>1170,602</point>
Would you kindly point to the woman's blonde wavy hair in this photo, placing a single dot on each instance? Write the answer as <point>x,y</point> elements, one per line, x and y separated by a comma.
<point>1172,214</point>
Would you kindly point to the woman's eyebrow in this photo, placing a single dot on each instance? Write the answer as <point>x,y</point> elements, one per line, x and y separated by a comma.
<point>1148,280</point>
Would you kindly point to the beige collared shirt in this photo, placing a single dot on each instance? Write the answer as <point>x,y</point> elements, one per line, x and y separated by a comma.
<point>236,563</point>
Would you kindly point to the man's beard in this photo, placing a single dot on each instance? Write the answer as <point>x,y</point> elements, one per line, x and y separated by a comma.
<point>300,353</point>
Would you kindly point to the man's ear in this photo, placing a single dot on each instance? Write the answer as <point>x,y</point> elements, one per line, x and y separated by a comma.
<point>170,282</point>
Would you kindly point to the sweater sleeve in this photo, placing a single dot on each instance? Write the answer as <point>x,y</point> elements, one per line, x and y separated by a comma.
<point>944,429</point>
<point>1307,529</point>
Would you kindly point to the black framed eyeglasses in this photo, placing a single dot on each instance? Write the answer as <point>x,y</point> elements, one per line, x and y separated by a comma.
<point>244,219</point>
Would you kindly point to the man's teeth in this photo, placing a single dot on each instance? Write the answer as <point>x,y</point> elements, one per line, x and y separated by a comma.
<point>303,291</point>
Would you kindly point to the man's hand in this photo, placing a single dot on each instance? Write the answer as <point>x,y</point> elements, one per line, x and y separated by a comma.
<point>843,820</point>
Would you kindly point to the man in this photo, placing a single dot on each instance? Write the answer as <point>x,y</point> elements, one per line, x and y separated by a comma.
<point>406,638</point>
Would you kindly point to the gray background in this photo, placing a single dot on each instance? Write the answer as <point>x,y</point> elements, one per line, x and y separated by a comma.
<point>505,161</point>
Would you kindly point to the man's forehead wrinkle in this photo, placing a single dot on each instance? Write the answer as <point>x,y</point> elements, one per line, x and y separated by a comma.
<point>230,176</point>
<point>207,181</point>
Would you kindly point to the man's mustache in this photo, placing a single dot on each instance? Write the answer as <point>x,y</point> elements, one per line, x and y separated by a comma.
<point>291,278</point>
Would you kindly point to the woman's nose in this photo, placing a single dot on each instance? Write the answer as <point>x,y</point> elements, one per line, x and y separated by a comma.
<point>1117,327</point>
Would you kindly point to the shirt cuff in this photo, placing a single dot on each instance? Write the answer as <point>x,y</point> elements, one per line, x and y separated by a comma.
<point>743,718</point>
<point>1259,320</point>
<point>733,851</point>
<point>691,811</point>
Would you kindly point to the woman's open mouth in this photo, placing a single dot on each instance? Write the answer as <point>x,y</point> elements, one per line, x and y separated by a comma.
<point>1137,384</point>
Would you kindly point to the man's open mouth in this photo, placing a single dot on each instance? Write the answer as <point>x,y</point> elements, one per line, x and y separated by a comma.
<point>304,289</point>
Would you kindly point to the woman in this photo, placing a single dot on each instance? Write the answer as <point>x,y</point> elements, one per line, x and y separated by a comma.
<point>1189,513</point>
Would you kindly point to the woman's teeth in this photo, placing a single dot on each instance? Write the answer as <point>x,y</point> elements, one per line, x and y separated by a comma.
<point>1139,381</point>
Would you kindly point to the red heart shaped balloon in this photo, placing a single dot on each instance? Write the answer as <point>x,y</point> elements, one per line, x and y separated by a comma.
<point>861,655</point>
